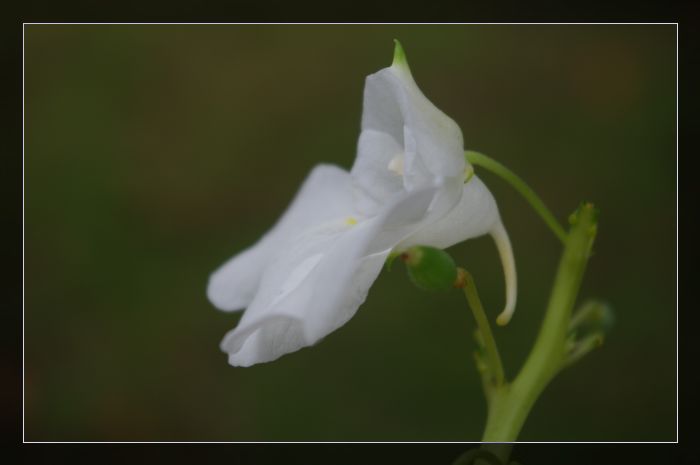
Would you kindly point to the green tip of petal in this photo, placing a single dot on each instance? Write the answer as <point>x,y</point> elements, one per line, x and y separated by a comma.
<point>399,56</point>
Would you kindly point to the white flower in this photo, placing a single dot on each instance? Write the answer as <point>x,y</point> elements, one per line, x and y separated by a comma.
<point>308,275</point>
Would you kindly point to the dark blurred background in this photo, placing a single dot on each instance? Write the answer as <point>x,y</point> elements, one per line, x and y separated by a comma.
<point>155,152</point>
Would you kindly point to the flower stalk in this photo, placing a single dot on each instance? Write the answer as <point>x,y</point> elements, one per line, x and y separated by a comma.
<point>488,163</point>
<point>492,372</point>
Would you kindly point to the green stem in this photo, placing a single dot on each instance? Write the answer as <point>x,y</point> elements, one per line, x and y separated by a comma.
<point>494,360</point>
<point>501,451</point>
<point>479,159</point>
<point>511,403</point>
<point>487,454</point>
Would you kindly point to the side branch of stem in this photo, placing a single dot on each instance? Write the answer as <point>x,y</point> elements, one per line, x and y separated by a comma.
<point>493,360</point>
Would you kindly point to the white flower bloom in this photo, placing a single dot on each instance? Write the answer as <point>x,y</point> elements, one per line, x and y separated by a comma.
<point>308,275</point>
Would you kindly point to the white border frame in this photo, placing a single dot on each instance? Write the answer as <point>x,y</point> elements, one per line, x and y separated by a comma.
<point>24,441</point>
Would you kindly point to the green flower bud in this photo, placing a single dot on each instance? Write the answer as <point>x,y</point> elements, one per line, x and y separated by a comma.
<point>592,317</point>
<point>587,330</point>
<point>429,268</point>
<point>573,218</point>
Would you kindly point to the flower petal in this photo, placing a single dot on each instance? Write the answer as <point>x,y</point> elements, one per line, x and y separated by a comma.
<point>319,280</point>
<point>325,195</point>
<point>374,181</point>
<point>304,294</point>
<point>407,214</point>
<point>474,215</point>
<point>430,140</point>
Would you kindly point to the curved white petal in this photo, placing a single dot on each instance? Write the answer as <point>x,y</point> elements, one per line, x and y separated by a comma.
<point>373,178</point>
<point>474,215</point>
<point>505,251</point>
<point>317,283</point>
<point>326,194</point>
<point>279,334</point>
<point>404,216</point>
<point>431,141</point>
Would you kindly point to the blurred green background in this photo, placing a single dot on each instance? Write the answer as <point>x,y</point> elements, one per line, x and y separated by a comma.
<point>155,152</point>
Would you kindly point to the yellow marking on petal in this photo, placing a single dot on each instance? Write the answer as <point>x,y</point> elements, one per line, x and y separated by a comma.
<point>351,221</point>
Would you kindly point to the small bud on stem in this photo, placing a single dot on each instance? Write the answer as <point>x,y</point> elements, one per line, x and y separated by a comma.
<point>429,268</point>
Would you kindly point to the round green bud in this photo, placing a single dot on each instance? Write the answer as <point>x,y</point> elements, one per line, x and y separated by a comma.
<point>429,268</point>
<point>593,317</point>
<point>603,319</point>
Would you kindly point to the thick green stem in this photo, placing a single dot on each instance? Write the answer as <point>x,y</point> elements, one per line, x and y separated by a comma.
<point>511,403</point>
<point>479,159</point>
